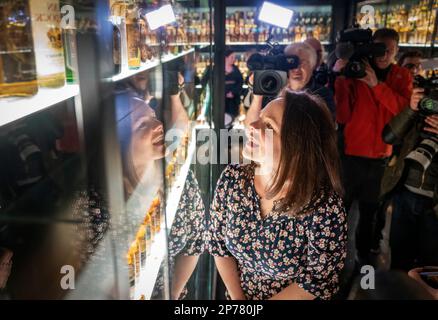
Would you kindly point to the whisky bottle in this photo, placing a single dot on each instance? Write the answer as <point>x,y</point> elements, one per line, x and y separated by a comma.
<point>120,50</point>
<point>18,75</point>
<point>70,54</point>
<point>117,46</point>
<point>47,36</point>
<point>133,38</point>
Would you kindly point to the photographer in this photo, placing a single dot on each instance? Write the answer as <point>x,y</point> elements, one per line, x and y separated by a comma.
<point>412,183</point>
<point>363,107</point>
<point>299,79</point>
<point>412,61</point>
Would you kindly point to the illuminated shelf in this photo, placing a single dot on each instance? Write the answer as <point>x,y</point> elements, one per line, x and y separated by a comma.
<point>263,43</point>
<point>148,65</point>
<point>149,273</point>
<point>15,108</point>
<point>419,45</point>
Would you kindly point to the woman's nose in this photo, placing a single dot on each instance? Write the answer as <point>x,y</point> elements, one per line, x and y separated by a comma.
<point>158,126</point>
<point>254,125</point>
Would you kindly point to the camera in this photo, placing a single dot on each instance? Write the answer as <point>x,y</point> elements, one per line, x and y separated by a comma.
<point>423,154</point>
<point>321,75</point>
<point>429,104</point>
<point>356,45</point>
<point>270,71</point>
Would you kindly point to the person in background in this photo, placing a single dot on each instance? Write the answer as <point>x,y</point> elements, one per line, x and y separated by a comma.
<point>412,188</point>
<point>412,61</point>
<point>299,79</point>
<point>277,228</point>
<point>233,84</point>
<point>363,107</point>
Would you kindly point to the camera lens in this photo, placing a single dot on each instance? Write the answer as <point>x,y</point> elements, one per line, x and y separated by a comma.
<point>270,82</point>
<point>356,67</point>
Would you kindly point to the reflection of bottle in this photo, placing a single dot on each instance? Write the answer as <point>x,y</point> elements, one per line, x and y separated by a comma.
<point>156,214</point>
<point>17,59</point>
<point>70,54</point>
<point>120,50</point>
<point>136,255</point>
<point>148,231</point>
<point>49,53</point>
<point>141,239</point>
<point>117,53</point>
<point>131,274</point>
<point>133,38</point>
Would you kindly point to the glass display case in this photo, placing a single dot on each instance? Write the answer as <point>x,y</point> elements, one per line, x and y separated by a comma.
<point>414,20</point>
<point>98,121</point>
<point>243,27</point>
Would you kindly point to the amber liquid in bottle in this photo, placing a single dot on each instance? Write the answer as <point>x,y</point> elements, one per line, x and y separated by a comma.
<point>133,39</point>
<point>18,75</point>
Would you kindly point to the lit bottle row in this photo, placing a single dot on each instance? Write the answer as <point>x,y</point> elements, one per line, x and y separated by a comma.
<point>138,253</point>
<point>194,27</point>
<point>414,21</point>
<point>414,24</point>
<point>133,42</point>
<point>35,52</point>
<point>242,27</point>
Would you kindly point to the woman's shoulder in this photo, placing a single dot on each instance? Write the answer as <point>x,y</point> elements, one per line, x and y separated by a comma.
<point>327,203</point>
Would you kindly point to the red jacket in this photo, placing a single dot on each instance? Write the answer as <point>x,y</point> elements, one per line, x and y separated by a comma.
<point>365,111</point>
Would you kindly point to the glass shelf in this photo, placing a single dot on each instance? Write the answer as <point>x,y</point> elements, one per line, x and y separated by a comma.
<point>16,108</point>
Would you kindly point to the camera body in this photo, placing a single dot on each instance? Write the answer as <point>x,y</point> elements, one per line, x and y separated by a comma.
<point>356,45</point>
<point>426,150</point>
<point>429,104</point>
<point>321,75</point>
<point>270,71</point>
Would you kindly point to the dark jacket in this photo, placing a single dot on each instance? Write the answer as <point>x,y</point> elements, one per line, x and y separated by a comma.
<point>408,126</point>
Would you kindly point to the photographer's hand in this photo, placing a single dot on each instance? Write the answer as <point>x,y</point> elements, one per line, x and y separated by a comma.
<point>370,79</point>
<point>417,95</point>
<point>5,266</point>
<point>255,107</point>
<point>415,274</point>
<point>432,122</point>
<point>339,65</point>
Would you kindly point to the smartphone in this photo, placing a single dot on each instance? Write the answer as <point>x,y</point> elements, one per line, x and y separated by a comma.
<point>430,276</point>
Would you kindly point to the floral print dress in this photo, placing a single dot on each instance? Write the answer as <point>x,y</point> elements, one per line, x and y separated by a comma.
<point>280,249</point>
<point>187,233</point>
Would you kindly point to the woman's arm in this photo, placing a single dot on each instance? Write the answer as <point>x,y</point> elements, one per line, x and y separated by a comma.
<point>253,113</point>
<point>227,268</point>
<point>179,119</point>
<point>293,292</point>
<point>184,267</point>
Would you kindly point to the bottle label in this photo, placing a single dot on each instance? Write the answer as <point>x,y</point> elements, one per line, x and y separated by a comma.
<point>47,35</point>
<point>17,61</point>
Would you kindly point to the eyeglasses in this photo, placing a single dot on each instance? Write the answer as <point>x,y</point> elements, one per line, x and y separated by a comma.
<point>413,66</point>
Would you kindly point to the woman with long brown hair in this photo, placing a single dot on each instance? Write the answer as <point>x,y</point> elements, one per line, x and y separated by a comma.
<point>278,227</point>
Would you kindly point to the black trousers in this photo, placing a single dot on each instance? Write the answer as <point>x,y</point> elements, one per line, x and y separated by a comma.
<point>362,178</point>
<point>414,231</point>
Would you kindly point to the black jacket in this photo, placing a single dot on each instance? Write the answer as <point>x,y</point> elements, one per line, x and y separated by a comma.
<point>405,128</point>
